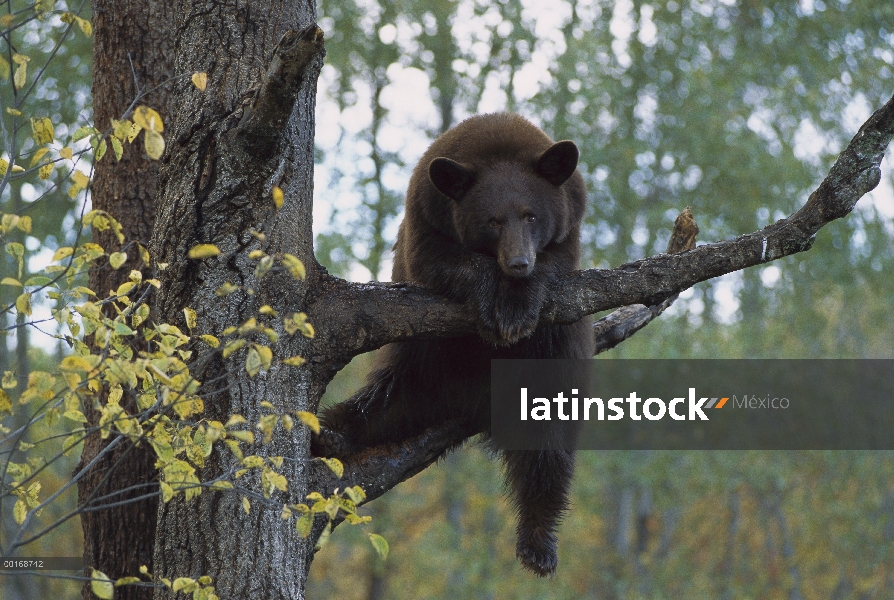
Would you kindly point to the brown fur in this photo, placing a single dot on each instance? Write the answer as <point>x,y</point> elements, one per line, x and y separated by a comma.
<point>493,215</point>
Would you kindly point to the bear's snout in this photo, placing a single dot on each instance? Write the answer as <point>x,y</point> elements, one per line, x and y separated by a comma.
<point>519,266</point>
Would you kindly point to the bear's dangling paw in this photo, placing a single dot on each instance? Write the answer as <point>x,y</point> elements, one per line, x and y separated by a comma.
<point>536,550</point>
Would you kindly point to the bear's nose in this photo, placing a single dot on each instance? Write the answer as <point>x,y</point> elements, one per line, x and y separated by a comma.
<point>518,265</point>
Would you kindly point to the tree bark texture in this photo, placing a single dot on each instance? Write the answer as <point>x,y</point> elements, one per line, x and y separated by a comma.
<point>251,129</point>
<point>131,56</point>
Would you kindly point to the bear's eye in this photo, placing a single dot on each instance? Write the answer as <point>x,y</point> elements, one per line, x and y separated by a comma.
<point>530,219</point>
<point>493,223</point>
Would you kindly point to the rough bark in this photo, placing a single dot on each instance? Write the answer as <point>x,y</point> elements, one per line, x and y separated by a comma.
<point>227,147</point>
<point>131,56</point>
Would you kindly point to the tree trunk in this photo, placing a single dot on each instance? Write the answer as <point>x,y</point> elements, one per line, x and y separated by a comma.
<point>226,150</point>
<point>131,55</point>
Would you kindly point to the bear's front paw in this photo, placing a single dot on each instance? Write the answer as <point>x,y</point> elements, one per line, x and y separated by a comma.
<point>536,550</point>
<point>517,325</point>
<point>330,444</point>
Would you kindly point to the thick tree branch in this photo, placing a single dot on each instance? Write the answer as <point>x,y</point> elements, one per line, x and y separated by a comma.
<point>382,313</point>
<point>367,316</point>
<point>262,124</point>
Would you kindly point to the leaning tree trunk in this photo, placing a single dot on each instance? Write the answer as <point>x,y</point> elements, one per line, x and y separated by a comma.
<point>227,147</point>
<point>131,55</point>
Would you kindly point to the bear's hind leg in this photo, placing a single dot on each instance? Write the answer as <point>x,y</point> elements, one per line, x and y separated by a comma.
<point>539,482</point>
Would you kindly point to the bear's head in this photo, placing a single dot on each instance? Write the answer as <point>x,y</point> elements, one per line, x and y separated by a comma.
<point>510,209</point>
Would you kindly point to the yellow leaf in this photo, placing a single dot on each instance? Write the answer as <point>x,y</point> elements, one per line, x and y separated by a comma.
<point>304,524</point>
<point>243,436</point>
<point>75,415</point>
<point>253,361</point>
<point>144,255</point>
<point>39,154</point>
<point>126,581</point>
<point>5,402</point>
<point>203,251</point>
<point>246,505</point>
<point>190,315</point>
<point>226,289</point>
<point>21,74</point>
<point>233,420</point>
<point>125,130</point>
<point>167,492</point>
<point>20,511</point>
<point>200,80</point>
<point>309,419</point>
<point>210,340</point>
<point>154,144</point>
<point>42,7</point>
<point>10,281</point>
<point>24,224</point>
<point>117,148</point>
<point>148,119</point>
<point>85,26</point>
<point>75,362</point>
<point>65,153</point>
<point>266,355</point>
<point>63,252</point>
<point>101,585</point>
<point>9,380</point>
<point>294,265</point>
<point>42,131</point>
<point>278,197</point>
<point>8,222</point>
<point>23,304</point>
<point>294,361</point>
<point>45,171</point>
<point>117,259</point>
<point>4,70</point>
<point>232,347</point>
<point>80,183</point>
<point>334,465</point>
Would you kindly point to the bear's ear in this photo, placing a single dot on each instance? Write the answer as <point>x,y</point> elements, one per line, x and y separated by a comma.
<point>558,163</point>
<point>450,178</point>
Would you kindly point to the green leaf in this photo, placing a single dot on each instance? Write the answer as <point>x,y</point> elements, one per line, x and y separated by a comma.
<point>380,544</point>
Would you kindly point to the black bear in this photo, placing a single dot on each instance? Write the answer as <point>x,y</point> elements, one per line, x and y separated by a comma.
<point>493,214</point>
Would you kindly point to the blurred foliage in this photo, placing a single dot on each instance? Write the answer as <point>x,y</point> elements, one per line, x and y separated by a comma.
<point>736,108</point>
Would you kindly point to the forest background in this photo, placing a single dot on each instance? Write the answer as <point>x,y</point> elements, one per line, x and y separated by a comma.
<point>736,108</point>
